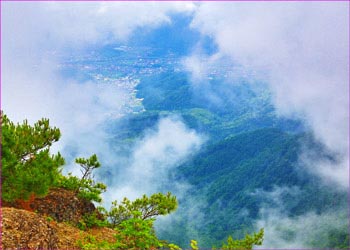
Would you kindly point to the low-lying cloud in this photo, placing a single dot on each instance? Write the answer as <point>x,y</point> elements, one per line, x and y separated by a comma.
<point>310,229</point>
<point>35,38</point>
<point>301,51</point>
<point>154,159</point>
<point>63,24</point>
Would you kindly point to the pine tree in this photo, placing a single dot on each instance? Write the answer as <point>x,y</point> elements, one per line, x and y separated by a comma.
<point>148,207</point>
<point>28,167</point>
<point>85,187</point>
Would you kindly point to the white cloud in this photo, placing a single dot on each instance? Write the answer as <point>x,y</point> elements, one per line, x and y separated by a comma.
<point>164,147</point>
<point>69,23</point>
<point>36,34</point>
<point>151,169</point>
<point>154,159</point>
<point>281,230</point>
<point>31,30</point>
<point>303,231</point>
<point>302,48</point>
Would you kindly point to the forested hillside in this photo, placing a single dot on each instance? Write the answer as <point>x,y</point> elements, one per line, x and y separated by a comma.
<point>245,155</point>
<point>230,174</point>
<point>249,151</point>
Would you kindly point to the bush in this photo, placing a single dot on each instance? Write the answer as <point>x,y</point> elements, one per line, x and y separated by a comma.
<point>136,233</point>
<point>148,207</point>
<point>85,187</point>
<point>247,243</point>
<point>27,166</point>
<point>89,242</point>
<point>92,220</point>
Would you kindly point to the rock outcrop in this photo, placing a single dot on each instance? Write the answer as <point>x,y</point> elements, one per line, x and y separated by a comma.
<point>48,223</point>
<point>22,229</point>
<point>60,204</point>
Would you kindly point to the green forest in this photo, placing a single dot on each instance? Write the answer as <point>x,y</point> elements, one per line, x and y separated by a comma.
<point>250,148</point>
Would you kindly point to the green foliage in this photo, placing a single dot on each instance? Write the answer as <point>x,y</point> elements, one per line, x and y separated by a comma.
<point>89,242</point>
<point>148,207</point>
<point>160,92</point>
<point>49,219</point>
<point>88,165</point>
<point>85,187</point>
<point>27,165</point>
<point>194,245</point>
<point>91,191</point>
<point>247,243</point>
<point>68,182</point>
<point>172,246</point>
<point>91,220</point>
<point>339,239</point>
<point>137,233</point>
<point>133,222</point>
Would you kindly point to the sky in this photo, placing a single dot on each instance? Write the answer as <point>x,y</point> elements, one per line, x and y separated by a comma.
<point>300,49</point>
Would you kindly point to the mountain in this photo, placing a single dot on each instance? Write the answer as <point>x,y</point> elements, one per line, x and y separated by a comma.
<point>229,174</point>
<point>250,151</point>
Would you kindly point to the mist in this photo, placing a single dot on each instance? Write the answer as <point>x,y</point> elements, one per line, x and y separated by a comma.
<point>153,159</point>
<point>298,231</point>
<point>300,51</point>
<point>36,36</point>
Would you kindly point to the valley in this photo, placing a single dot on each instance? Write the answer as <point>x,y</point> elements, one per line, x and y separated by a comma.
<point>249,151</point>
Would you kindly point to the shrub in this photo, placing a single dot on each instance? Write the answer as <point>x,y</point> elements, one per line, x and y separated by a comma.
<point>27,166</point>
<point>137,233</point>
<point>85,187</point>
<point>148,207</point>
<point>247,243</point>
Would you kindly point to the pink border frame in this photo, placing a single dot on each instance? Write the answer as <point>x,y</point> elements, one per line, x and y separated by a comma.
<point>176,1</point>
